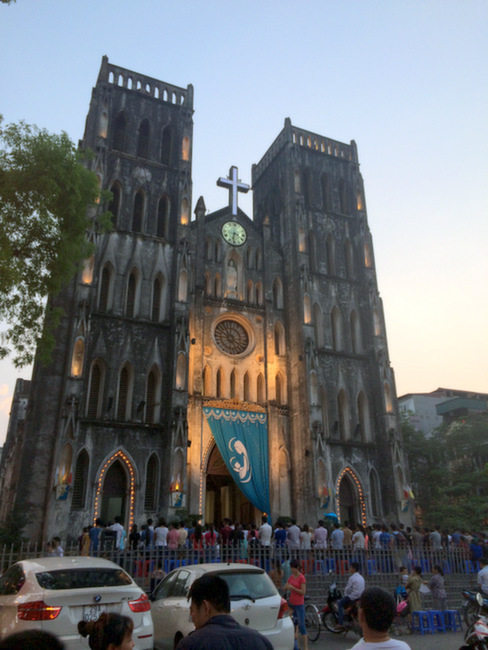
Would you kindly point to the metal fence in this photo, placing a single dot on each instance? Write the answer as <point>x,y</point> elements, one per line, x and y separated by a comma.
<point>379,567</point>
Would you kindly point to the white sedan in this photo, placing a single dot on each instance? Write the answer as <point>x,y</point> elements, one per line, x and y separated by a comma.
<point>54,593</point>
<point>255,602</point>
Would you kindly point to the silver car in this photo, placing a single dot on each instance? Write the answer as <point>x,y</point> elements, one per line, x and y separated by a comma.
<point>54,593</point>
<point>255,602</point>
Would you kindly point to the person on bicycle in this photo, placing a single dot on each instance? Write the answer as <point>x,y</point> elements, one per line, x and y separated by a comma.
<point>352,592</point>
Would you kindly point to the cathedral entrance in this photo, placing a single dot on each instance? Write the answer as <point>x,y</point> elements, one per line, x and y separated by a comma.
<point>114,494</point>
<point>348,502</point>
<point>222,496</point>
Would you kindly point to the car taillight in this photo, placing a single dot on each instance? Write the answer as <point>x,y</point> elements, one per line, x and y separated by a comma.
<point>283,608</point>
<point>142,604</point>
<point>37,611</point>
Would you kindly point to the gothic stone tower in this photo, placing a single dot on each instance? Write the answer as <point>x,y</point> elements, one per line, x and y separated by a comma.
<point>102,417</point>
<point>278,316</point>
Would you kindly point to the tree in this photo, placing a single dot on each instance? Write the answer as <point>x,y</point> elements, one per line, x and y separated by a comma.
<point>449,472</point>
<point>46,194</point>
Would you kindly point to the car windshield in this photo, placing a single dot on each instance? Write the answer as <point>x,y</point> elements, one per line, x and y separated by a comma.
<point>249,584</point>
<point>82,578</point>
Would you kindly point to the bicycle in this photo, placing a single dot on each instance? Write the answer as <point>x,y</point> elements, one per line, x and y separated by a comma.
<point>312,622</point>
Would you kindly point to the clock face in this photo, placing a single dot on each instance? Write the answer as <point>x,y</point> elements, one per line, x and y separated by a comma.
<point>231,337</point>
<point>234,233</point>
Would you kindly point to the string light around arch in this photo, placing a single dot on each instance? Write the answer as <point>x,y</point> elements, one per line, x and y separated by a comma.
<point>357,483</point>
<point>123,457</point>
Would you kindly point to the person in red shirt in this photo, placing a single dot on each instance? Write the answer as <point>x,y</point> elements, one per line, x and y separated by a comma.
<point>296,585</point>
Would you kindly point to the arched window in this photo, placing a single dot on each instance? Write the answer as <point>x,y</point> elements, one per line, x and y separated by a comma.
<point>259,259</point>
<point>277,294</point>
<point>375,492</point>
<point>368,260</point>
<point>95,390</point>
<point>163,217</point>
<point>363,413</point>
<point>208,249</point>
<point>301,241</point>
<point>388,399</point>
<point>120,130</point>
<point>344,208</point>
<point>336,322</point>
<point>344,415</point>
<point>250,257</point>
<point>296,181</point>
<point>249,292</point>
<point>207,381</point>
<point>153,386</point>
<point>185,212</point>
<point>314,389</point>
<point>279,338</point>
<point>217,286</point>
<point>181,371</point>
<point>143,139</point>
<point>88,267</point>
<point>103,125</point>
<point>183,286</point>
<point>138,213</point>
<point>185,149</point>
<point>114,205</point>
<point>376,322</point>
<point>208,283</point>
<point>259,293</point>
<point>307,186</point>
<point>318,326</point>
<point>260,387</point>
<point>132,298</point>
<point>105,297</point>
<point>166,145</point>
<point>157,307</point>
<point>218,251</point>
<point>348,255</point>
<point>150,495</point>
<point>247,388</point>
<point>312,252</point>
<point>234,393</point>
<point>220,383</point>
<point>77,358</point>
<point>307,310</point>
<point>80,481</point>
<point>324,181</point>
<point>124,393</point>
<point>355,333</point>
<point>331,263</point>
<point>279,391</point>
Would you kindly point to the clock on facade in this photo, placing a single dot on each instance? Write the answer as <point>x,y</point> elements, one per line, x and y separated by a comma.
<point>231,337</point>
<point>234,233</point>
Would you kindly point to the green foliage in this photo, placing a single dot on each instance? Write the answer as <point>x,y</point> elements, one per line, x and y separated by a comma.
<point>45,197</point>
<point>449,472</point>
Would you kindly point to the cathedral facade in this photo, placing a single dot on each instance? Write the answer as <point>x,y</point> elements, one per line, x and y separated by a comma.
<point>212,365</point>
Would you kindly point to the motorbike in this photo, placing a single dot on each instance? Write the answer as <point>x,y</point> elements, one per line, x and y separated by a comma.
<point>476,636</point>
<point>329,614</point>
<point>471,607</point>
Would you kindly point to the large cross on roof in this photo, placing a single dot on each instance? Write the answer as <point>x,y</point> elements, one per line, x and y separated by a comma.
<point>234,185</point>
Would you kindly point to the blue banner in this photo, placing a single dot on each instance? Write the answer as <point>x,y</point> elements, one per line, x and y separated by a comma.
<point>242,439</point>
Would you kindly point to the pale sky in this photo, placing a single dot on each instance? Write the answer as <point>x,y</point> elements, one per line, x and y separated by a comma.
<point>407,80</point>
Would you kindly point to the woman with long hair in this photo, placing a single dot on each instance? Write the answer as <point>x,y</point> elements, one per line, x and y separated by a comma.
<point>109,632</point>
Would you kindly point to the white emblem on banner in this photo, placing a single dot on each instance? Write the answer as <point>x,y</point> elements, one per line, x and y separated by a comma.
<point>240,465</point>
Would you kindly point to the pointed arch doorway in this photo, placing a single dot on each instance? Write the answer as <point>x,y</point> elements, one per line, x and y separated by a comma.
<point>116,490</point>
<point>351,506</point>
<point>222,496</point>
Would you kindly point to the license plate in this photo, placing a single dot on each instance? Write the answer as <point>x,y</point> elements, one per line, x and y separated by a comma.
<point>93,612</point>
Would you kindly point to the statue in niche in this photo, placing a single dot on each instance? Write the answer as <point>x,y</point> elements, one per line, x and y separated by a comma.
<point>232,279</point>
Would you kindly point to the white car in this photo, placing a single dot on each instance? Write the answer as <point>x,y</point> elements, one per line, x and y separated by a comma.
<point>54,593</point>
<point>254,600</point>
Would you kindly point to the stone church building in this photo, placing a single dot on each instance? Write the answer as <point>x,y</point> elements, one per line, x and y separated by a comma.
<point>214,364</point>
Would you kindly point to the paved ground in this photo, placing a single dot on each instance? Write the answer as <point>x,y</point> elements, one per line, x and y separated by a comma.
<point>448,641</point>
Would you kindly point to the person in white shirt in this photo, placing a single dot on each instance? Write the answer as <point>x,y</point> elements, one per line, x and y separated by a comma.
<point>320,535</point>
<point>353,591</point>
<point>160,534</point>
<point>377,609</point>
<point>337,538</point>
<point>293,536</point>
<point>265,532</point>
<point>119,529</point>
<point>483,576</point>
